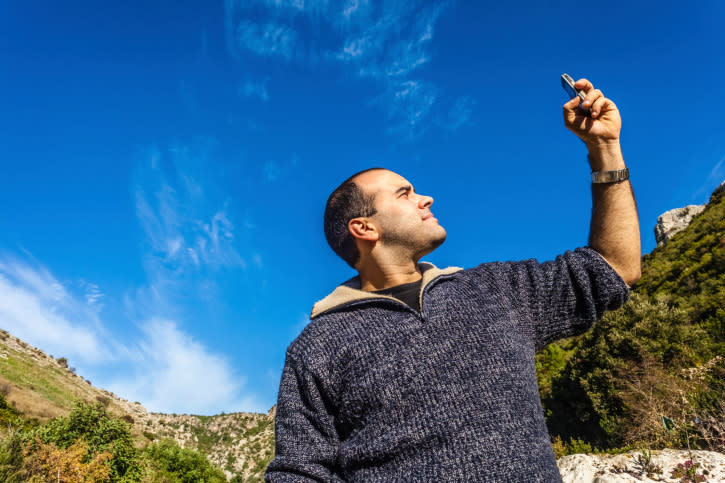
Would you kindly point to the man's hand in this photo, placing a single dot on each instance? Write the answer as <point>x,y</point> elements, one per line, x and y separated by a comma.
<point>604,124</point>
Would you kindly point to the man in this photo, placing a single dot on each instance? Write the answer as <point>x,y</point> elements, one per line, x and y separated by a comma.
<point>411,373</point>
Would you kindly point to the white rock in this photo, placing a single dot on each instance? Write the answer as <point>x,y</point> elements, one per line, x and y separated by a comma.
<point>577,468</point>
<point>674,221</point>
<point>625,468</point>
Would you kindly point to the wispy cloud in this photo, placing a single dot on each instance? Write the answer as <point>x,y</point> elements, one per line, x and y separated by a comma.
<point>393,44</point>
<point>714,179</point>
<point>297,5</point>
<point>460,114</point>
<point>39,309</point>
<point>183,229</point>
<point>173,372</point>
<point>389,48</point>
<point>189,237</point>
<point>255,89</point>
<point>93,295</point>
<point>273,170</point>
<point>270,39</point>
<point>387,42</point>
<point>409,103</point>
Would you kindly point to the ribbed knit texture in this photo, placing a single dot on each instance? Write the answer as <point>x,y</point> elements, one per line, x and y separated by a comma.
<point>373,391</point>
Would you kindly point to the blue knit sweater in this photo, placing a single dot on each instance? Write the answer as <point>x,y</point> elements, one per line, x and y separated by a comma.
<point>374,391</point>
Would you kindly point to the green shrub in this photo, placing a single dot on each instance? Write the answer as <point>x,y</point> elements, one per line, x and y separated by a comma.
<point>663,353</point>
<point>102,433</point>
<point>181,465</point>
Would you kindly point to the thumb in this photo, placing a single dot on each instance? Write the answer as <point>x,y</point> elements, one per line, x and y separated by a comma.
<point>570,109</point>
<point>572,104</point>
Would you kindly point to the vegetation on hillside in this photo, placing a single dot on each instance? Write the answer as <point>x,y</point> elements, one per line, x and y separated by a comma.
<point>652,373</point>
<point>38,388</point>
<point>90,445</point>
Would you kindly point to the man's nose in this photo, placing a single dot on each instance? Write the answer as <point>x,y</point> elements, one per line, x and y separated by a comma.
<point>425,201</point>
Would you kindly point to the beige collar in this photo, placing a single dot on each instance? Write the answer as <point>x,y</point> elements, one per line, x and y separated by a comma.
<point>350,291</point>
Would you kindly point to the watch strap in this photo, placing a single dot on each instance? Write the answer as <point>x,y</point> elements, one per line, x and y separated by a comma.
<point>610,176</point>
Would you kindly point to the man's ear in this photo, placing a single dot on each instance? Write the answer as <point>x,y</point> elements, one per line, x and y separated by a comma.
<point>363,229</point>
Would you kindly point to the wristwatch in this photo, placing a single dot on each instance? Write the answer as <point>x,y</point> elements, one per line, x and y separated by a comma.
<point>610,176</point>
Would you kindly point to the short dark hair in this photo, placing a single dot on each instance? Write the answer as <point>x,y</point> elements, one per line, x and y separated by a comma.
<point>348,201</point>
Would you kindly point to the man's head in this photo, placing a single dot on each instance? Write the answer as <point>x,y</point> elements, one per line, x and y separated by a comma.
<point>377,208</point>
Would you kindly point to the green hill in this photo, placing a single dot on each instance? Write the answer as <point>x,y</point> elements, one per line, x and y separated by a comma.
<point>653,372</point>
<point>38,391</point>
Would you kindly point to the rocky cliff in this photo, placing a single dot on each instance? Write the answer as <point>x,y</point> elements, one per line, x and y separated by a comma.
<point>674,221</point>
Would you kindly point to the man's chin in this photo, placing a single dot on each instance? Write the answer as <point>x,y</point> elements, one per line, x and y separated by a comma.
<point>436,242</point>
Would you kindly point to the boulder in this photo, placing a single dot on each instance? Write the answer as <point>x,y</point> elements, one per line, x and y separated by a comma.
<point>633,466</point>
<point>674,221</point>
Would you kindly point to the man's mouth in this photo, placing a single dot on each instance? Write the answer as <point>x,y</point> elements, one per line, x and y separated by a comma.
<point>429,215</point>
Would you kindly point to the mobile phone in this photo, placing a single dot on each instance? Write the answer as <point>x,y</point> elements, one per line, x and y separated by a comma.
<point>568,84</point>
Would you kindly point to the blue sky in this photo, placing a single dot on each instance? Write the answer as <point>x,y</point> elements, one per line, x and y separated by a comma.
<point>165,164</point>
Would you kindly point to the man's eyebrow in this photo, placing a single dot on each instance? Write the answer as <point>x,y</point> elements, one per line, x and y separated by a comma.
<point>403,189</point>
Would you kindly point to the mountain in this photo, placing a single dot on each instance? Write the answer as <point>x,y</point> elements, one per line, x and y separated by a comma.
<point>42,388</point>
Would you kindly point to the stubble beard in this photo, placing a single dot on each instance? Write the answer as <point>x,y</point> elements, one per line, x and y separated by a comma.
<point>413,243</point>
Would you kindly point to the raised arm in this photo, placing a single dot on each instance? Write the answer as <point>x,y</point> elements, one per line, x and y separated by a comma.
<point>614,229</point>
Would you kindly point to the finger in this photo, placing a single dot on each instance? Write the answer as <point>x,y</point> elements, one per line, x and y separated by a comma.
<point>584,85</point>
<point>571,110</point>
<point>591,97</point>
<point>598,106</point>
<point>572,104</point>
<point>607,106</point>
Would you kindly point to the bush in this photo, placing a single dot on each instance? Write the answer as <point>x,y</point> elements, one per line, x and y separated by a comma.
<point>101,432</point>
<point>626,373</point>
<point>177,464</point>
<point>46,462</point>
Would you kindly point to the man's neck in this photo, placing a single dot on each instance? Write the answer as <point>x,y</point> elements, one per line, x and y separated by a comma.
<point>378,277</point>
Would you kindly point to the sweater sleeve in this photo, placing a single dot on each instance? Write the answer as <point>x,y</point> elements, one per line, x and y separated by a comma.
<point>559,298</point>
<point>306,441</point>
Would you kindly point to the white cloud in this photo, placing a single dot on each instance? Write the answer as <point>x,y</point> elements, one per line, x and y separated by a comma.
<point>175,373</point>
<point>38,309</point>
<point>270,39</point>
<point>167,369</point>
<point>93,295</point>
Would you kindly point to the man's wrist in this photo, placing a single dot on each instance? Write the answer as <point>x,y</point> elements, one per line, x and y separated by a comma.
<point>605,156</point>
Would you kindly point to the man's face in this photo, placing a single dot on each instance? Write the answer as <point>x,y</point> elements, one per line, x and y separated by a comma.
<point>403,216</point>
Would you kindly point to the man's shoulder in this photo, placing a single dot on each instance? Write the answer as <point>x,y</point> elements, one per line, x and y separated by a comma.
<point>322,335</point>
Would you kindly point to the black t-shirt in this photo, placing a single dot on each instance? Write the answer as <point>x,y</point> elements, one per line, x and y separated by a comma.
<point>408,293</point>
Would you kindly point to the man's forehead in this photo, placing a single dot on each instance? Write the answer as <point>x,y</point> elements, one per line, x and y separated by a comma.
<point>380,179</point>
